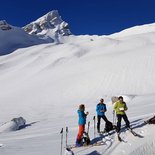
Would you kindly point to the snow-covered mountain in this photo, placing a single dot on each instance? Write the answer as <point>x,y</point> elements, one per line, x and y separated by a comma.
<point>46,83</point>
<point>12,38</point>
<point>49,27</point>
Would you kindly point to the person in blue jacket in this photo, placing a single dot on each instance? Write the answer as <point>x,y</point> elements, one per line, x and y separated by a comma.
<point>101,109</point>
<point>81,122</point>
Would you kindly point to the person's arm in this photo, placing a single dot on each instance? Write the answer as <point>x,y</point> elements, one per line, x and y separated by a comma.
<point>79,113</point>
<point>125,108</point>
<point>86,113</point>
<point>105,108</point>
<point>83,114</point>
<point>97,108</point>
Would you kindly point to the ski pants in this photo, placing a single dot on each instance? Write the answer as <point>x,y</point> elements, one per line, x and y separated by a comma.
<point>80,132</point>
<point>119,118</point>
<point>99,121</point>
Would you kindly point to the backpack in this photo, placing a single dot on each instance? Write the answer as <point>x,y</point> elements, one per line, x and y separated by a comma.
<point>151,120</point>
<point>109,126</point>
<point>86,139</point>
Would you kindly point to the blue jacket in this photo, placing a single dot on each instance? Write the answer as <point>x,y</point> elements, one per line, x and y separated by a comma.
<point>100,107</point>
<point>82,117</point>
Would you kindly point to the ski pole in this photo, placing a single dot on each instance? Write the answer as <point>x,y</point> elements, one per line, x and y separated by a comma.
<point>113,117</point>
<point>61,132</point>
<point>66,135</point>
<point>94,126</point>
<point>88,127</point>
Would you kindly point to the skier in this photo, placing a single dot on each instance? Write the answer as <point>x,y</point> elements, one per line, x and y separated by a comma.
<point>120,107</point>
<point>81,122</point>
<point>101,109</point>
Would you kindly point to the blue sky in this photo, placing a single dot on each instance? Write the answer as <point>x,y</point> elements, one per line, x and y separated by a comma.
<point>84,16</point>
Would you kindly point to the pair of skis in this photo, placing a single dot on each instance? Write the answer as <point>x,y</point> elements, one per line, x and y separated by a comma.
<point>132,132</point>
<point>89,145</point>
<point>69,147</point>
<point>135,134</point>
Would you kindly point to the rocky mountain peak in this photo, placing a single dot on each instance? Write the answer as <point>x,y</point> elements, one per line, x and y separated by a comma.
<point>4,25</point>
<point>48,26</point>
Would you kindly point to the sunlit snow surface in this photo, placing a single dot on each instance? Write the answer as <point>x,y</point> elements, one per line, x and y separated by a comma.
<point>46,83</point>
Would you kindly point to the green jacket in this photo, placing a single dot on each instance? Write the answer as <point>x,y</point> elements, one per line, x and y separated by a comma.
<point>119,105</point>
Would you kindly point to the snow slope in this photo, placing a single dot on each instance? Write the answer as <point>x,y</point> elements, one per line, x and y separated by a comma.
<point>46,83</point>
<point>146,28</point>
<point>13,38</point>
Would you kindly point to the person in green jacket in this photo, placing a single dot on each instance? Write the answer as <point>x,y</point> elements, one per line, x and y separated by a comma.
<point>120,107</point>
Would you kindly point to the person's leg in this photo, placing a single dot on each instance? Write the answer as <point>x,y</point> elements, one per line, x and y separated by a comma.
<point>119,118</point>
<point>80,134</point>
<point>126,120</point>
<point>105,118</point>
<point>106,123</point>
<point>98,123</point>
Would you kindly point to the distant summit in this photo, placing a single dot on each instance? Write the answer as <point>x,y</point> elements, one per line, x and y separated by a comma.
<point>4,25</point>
<point>49,27</point>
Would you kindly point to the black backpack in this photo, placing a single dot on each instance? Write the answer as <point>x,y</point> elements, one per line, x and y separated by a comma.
<point>109,126</point>
<point>151,120</point>
<point>86,139</point>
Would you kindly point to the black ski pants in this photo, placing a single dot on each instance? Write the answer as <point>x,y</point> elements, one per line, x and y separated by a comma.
<point>99,121</point>
<point>119,118</point>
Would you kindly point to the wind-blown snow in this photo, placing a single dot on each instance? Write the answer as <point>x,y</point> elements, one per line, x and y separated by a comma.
<point>46,83</point>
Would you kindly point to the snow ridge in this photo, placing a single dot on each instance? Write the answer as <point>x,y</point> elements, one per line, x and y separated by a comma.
<point>140,29</point>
